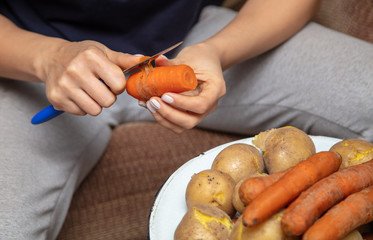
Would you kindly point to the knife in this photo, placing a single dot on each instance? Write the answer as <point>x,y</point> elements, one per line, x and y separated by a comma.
<point>49,112</point>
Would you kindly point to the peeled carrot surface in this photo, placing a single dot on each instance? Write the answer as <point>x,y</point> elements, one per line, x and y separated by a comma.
<point>288,187</point>
<point>314,201</point>
<point>156,81</point>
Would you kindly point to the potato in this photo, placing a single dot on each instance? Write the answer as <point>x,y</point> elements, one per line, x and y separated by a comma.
<point>211,187</point>
<point>284,147</point>
<point>239,160</point>
<point>268,230</point>
<point>206,222</point>
<point>236,200</point>
<point>353,151</point>
<point>354,235</point>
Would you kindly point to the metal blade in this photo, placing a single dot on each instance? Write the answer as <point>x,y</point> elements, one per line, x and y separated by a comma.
<point>146,61</point>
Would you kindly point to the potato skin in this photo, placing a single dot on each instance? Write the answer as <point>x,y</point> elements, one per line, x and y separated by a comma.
<point>211,187</point>
<point>239,160</point>
<point>236,200</point>
<point>353,151</point>
<point>284,147</point>
<point>268,230</point>
<point>192,227</point>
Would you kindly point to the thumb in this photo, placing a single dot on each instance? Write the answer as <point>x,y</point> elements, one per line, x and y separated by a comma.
<point>123,60</point>
<point>162,61</point>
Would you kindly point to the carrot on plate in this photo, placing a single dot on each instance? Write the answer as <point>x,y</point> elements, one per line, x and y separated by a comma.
<point>251,187</point>
<point>314,201</point>
<point>149,81</point>
<point>342,218</point>
<point>287,188</point>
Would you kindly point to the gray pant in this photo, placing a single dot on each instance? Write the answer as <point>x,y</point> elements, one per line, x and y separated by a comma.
<point>317,81</point>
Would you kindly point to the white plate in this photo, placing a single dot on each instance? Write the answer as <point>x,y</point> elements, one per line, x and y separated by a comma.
<point>169,205</point>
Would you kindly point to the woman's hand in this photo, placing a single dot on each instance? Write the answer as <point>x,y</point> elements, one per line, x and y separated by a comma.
<point>179,112</point>
<point>70,70</point>
<point>71,73</point>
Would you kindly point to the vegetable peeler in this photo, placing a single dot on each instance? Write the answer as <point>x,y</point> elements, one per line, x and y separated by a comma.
<point>49,112</point>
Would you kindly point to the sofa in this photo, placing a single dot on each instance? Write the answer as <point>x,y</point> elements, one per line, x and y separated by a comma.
<point>115,199</point>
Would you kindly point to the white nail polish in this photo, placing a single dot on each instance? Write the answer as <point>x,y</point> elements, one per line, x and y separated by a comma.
<point>142,104</point>
<point>167,98</point>
<point>150,107</point>
<point>153,105</point>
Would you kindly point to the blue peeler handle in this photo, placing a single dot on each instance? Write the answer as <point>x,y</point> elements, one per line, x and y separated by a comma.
<point>46,114</point>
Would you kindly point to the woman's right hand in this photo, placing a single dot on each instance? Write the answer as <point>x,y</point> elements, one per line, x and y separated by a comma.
<point>72,71</point>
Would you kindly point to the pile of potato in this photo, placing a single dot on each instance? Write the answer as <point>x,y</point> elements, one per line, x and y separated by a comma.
<point>213,197</point>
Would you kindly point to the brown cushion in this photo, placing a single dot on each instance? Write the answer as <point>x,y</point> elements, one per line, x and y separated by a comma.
<point>114,201</point>
<point>353,17</point>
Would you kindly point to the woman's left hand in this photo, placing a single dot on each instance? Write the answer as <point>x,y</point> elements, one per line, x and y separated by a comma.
<point>179,112</point>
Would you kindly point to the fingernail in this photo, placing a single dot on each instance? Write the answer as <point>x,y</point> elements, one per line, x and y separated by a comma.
<point>153,105</point>
<point>139,55</point>
<point>167,98</point>
<point>142,104</point>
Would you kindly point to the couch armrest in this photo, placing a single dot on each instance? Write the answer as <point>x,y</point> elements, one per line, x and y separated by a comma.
<point>353,17</point>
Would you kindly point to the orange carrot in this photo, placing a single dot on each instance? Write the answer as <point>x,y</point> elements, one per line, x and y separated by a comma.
<point>251,187</point>
<point>342,218</point>
<point>287,188</point>
<point>150,81</point>
<point>314,201</point>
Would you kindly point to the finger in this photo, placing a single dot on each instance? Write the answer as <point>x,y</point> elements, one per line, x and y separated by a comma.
<point>199,104</point>
<point>184,119</point>
<point>142,104</point>
<point>90,83</point>
<point>124,60</point>
<point>70,107</point>
<point>164,122</point>
<point>98,62</point>
<point>111,75</point>
<point>121,61</point>
<point>86,103</point>
<point>98,91</point>
<point>59,96</point>
<point>162,60</point>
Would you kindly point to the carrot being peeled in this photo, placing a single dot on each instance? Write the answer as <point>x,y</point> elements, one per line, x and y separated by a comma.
<point>342,218</point>
<point>314,201</point>
<point>156,81</point>
<point>288,187</point>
